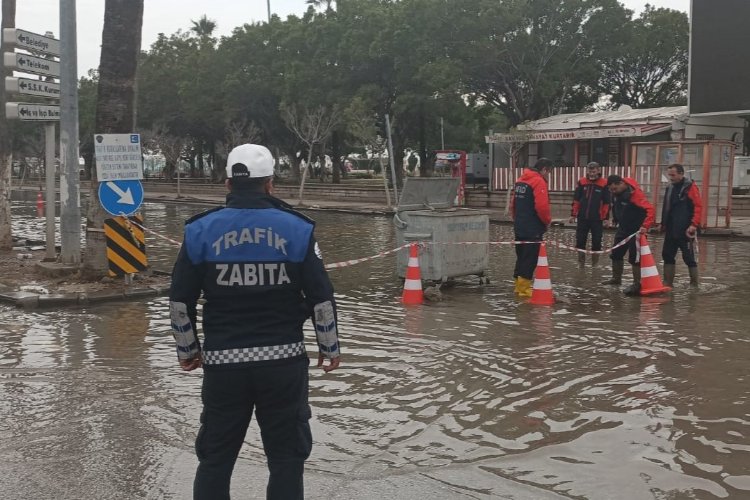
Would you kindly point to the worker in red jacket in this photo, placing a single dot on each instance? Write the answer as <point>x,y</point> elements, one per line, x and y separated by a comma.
<point>680,220</point>
<point>590,210</point>
<point>532,216</point>
<point>632,213</point>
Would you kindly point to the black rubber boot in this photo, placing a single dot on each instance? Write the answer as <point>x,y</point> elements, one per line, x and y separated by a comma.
<point>669,272</point>
<point>595,260</point>
<point>693,276</point>
<point>618,266</point>
<point>581,259</point>
<point>634,289</point>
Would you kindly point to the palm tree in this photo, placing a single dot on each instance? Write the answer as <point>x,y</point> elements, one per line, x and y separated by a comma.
<point>320,3</point>
<point>6,168</point>
<point>203,27</point>
<point>115,107</point>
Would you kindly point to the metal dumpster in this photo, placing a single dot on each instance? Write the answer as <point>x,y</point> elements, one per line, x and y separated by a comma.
<point>426,213</point>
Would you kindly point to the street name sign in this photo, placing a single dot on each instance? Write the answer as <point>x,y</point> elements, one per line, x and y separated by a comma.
<point>31,41</point>
<point>31,64</point>
<point>121,197</point>
<point>26,86</point>
<point>31,112</point>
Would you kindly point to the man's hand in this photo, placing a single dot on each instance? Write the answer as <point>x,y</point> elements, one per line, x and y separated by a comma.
<point>572,219</point>
<point>332,365</point>
<point>691,231</point>
<point>643,230</point>
<point>189,365</point>
<point>607,223</point>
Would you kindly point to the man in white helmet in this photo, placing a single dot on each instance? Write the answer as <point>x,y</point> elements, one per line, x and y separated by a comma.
<point>261,273</point>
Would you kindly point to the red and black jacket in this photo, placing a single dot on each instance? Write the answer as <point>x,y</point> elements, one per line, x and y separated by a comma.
<point>591,200</point>
<point>682,208</point>
<point>631,210</point>
<point>530,206</point>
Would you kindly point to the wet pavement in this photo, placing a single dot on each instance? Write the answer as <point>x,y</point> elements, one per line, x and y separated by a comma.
<point>478,396</point>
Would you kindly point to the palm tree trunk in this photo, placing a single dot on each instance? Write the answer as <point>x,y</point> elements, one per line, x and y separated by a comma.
<point>115,108</point>
<point>6,155</point>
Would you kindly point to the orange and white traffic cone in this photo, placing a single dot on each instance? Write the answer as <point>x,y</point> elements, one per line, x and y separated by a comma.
<point>413,294</point>
<point>650,280</point>
<point>541,295</point>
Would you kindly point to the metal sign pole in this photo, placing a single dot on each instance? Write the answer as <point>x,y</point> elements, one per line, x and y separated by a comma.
<point>70,210</point>
<point>49,162</point>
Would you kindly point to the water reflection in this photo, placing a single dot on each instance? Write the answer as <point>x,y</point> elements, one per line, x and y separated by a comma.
<point>600,396</point>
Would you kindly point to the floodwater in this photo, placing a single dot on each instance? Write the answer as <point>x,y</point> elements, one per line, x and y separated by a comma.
<point>478,396</point>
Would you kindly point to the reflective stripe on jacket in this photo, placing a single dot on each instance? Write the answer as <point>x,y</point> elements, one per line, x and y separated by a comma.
<point>591,200</point>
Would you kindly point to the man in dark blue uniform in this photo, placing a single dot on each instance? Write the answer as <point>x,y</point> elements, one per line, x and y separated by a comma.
<point>532,216</point>
<point>262,276</point>
<point>681,218</point>
<point>590,210</point>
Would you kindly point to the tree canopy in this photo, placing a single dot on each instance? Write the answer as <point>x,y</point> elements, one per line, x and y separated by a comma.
<point>472,64</point>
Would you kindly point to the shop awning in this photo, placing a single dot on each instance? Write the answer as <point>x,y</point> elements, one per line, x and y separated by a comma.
<point>580,133</point>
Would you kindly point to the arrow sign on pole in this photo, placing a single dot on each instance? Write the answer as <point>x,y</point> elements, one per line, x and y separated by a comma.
<point>30,64</point>
<point>121,197</point>
<point>31,41</point>
<point>126,197</point>
<point>25,86</point>
<point>31,112</point>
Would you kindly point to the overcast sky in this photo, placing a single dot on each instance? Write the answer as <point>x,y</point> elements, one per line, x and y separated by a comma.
<point>167,16</point>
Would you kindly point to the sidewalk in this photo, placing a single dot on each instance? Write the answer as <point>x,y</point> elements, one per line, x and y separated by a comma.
<point>338,206</point>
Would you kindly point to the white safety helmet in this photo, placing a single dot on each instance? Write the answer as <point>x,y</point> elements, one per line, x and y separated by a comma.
<point>250,161</point>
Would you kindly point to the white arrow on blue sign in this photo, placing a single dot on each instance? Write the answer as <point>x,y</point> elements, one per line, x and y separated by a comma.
<point>121,197</point>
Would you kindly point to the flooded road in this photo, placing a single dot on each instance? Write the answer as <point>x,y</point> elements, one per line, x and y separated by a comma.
<point>478,396</point>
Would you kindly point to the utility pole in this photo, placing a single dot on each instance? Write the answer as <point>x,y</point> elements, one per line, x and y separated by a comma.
<point>70,209</point>
<point>268,2</point>
<point>442,134</point>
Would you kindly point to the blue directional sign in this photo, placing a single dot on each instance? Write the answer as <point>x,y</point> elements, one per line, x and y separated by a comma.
<point>121,197</point>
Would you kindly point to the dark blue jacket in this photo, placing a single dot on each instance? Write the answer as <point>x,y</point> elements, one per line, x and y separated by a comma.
<point>631,210</point>
<point>682,208</point>
<point>262,276</point>
<point>591,200</point>
<point>530,206</point>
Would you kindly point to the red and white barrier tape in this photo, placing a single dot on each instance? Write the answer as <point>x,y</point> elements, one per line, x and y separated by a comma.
<point>153,232</point>
<point>348,263</point>
<point>555,244</point>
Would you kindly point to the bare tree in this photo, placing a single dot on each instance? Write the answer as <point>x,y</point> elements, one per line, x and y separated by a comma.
<point>172,147</point>
<point>362,125</point>
<point>512,144</point>
<point>312,126</point>
<point>235,134</point>
<point>115,108</point>
<point>6,154</point>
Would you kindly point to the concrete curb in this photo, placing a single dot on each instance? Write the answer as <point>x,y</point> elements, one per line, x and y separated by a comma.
<point>26,300</point>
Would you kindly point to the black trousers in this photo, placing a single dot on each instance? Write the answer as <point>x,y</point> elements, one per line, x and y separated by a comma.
<point>595,227</point>
<point>278,395</point>
<point>672,244</point>
<point>630,249</point>
<point>527,256</point>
